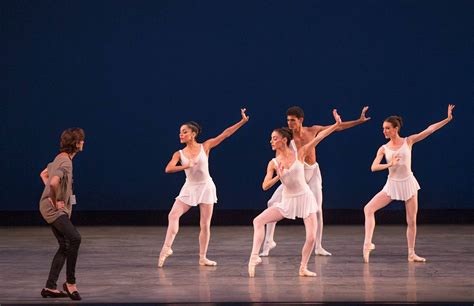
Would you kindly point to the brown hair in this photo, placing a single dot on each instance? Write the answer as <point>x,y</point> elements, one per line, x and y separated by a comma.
<point>396,121</point>
<point>70,138</point>
<point>295,111</point>
<point>285,133</point>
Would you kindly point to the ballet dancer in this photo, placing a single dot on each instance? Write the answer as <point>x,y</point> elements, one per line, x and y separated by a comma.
<point>297,198</point>
<point>301,136</point>
<point>199,189</point>
<point>401,183</point>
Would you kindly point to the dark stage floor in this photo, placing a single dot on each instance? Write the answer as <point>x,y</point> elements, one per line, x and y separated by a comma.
<point>118,265</point>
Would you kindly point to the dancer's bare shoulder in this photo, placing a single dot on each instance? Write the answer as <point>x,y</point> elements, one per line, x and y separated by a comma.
<point>313,130</point>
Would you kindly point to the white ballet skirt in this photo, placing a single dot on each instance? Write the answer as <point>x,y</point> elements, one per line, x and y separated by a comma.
<point>312,175</point>
<point>313,178</point>
<point>199,187</point>
<point>401,183</point>
<point>297,199</point>
<point>401,190</point>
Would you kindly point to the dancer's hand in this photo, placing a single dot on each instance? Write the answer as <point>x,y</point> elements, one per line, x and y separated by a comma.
<point>363,118</point>
<point>280,169</point>
<point>191,163</point>
<point>337,118</point>
<point>395,160</point>
<point>450,111</point>
<point>245,118</point>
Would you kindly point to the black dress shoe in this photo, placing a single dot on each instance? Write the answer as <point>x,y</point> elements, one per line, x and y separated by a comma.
<point>72,295</point>
<point>47,293</point>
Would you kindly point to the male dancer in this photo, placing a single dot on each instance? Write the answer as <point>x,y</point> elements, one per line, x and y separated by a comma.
<point>301,136</point>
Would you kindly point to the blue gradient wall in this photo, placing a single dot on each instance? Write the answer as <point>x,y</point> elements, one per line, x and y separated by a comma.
<point>130,72</point>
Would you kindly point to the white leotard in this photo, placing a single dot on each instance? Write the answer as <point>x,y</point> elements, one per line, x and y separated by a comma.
<point>199,187</point>
<point>401,183</point>
<point>297,199</point>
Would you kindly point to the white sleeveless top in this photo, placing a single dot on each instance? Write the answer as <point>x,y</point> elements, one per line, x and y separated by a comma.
<point>293,179</point>
<point>297,198</point>
<point>312,178</point>
<point>200,171</point>
<point>402,169</point>
<point>199,187</point>
<point>401,183</point>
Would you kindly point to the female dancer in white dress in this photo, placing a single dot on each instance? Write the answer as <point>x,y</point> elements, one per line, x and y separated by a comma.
<point>401,184</point>
<point>199,189</point>
<point>297,198</point>
<point>301,136</point>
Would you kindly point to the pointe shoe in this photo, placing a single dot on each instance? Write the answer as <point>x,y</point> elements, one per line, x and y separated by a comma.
<point>206,262</point>
<point>416,258</point>
<point>305,272</point>
<point>165,253</point>
<point>72,295</point>
<point>253,262</point>
<point>267,247</point>
<point>45,293</point>
<point>321,252</point>
<point>366,251</point>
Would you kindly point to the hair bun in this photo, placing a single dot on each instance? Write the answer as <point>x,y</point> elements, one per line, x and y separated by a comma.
<point>194,126</point>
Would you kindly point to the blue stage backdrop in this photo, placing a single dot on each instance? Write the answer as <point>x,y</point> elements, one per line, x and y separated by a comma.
<point>131,72</point>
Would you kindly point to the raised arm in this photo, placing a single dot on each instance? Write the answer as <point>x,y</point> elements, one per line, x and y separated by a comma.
<point>269,179</point>
<point>44,176</point>
<point>432,128</point>
<point>213,142</point>
<point>348,124</point>
<point>377,166</point>
<point>321,135</point>
<point>172,165</point>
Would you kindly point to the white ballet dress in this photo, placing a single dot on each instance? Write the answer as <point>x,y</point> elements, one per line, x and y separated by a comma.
<point>313,178</point>
<point>297,199</point>
<point>401,183</point>
<point>199,187</point>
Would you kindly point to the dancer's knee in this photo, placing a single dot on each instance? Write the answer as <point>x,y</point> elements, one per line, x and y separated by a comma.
<point>173,217</point>
<point>311,238</point>
<point>411,222</point>
<point>368,211</point>
<point>257,222</point>
<point>173,224</point>
<point>205,226</point>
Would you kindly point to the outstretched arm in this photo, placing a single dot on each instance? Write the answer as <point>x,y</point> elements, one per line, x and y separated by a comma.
<point>377,166</point>
<point>213,142</point>
<point>322,134</point>
<point>432,128</point>
<point>348,124</point>
<point>269,179</point>
<point>173,164</point>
